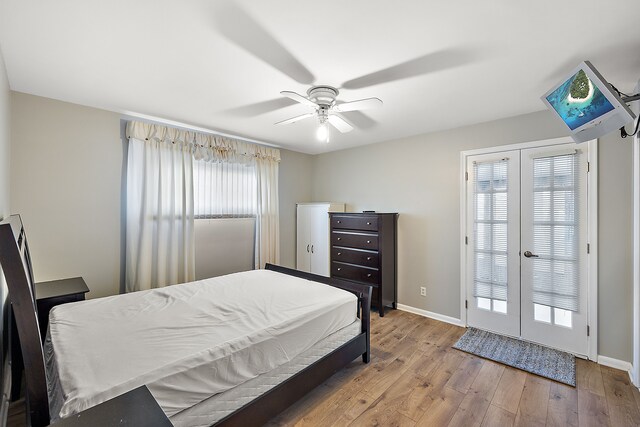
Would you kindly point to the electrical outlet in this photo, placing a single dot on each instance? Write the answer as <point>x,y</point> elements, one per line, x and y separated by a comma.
<point>423,291</point>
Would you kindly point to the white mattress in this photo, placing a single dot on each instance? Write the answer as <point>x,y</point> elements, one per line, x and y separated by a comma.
<point>217,407</point>
<point>186,342</point>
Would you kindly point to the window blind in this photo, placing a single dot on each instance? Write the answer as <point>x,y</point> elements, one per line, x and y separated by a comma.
<point>556,232</point>
<point>224,189</point>
<point>490,229</point>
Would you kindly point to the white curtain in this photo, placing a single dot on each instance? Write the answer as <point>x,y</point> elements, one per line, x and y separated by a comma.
<point>232,179</point>
<point>160,240</point>
<point>267,220</point>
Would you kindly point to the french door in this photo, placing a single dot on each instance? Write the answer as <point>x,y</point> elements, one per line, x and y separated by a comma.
<point>526,262</point>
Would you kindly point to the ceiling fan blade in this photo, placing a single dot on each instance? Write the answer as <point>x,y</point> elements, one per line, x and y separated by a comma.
<point>262,107</point>
<point>295,119</point>
<point>340,123</point>
<point>299,98</point>
<point>361,104</point>
<point>425,64</point>
<point>241,29</point>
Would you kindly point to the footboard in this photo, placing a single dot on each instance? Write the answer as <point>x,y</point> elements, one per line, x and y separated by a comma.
<point>280,397</point>
<point>363,292</point>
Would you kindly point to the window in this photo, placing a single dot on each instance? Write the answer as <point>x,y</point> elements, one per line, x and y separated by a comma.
<point>224,190</point>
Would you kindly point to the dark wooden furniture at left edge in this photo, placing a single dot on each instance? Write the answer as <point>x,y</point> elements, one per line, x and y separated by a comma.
<point>56,292</point>
<point>136,408</point>
<point>18,273</point>
<point>48,295</point>
<point>16,263</point>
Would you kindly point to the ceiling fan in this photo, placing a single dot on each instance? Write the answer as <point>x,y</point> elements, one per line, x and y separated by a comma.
<point>323,100</point>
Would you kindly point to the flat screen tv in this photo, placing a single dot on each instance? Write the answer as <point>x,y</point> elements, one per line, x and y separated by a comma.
<point>587,105</point>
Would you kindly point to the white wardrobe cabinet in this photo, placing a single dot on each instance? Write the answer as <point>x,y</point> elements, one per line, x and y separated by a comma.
<point>312,236</point>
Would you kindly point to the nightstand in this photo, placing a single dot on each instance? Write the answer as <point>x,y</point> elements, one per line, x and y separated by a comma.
<point>136,408</point>
<point>56,292</point>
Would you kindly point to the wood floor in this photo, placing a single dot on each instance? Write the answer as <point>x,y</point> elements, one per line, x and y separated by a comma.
<point>415,378</point>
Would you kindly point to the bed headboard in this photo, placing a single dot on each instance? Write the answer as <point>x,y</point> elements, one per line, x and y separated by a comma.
<point>6,355</point>
<point>16,265</point>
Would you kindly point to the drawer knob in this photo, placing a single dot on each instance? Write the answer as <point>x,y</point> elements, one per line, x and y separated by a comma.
<point>339,238</point>
<point>368,223</point>
<point>369,275</point>
<point>368,241</point>
<point>339,268</point>
<point>339,253</point>
<point>339,222</point>
<point>368,258</point>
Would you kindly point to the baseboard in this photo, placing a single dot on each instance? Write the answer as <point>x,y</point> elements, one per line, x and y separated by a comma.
<point>634,380</point>
<point>616,364</point>
<point>430,314</point>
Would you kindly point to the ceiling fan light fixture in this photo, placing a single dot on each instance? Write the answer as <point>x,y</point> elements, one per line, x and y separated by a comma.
<point>323,132</point>
<point>323,100</point>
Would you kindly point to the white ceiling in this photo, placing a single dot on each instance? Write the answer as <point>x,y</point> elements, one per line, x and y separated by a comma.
<point>221,64</point>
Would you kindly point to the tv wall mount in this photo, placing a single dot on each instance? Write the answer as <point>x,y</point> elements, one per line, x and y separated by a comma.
<point>627,99</point>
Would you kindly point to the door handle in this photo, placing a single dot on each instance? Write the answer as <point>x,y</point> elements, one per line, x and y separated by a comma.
<point>311,248</point>
<point>528,254</point>
<point>307,248</point>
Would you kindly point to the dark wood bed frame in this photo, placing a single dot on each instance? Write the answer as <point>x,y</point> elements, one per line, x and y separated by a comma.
<point>18,272</point>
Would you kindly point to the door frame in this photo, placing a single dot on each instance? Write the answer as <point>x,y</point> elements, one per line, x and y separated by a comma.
<point>592,229</point>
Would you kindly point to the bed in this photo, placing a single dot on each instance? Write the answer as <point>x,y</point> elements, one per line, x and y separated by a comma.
<point>233,350</point>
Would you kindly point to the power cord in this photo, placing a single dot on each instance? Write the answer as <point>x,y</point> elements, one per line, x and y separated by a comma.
<point>623,131</point>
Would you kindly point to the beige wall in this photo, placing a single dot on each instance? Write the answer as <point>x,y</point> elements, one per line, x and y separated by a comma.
<point>295,186</point>
<point>5,136</point>
<point>419,177</point>
<point>66,182</point>
<point>615,267</point>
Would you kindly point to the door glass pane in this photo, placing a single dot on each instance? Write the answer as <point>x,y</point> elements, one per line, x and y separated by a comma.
<point>542,313</point>
<point>562,317</point>
<point>484,303</point>
<point>490,220</point>
<point>555,234</point>
<point>499,306</point>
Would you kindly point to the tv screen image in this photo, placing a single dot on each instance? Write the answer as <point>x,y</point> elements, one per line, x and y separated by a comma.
<point>586,104</point>
<point>578,101</point>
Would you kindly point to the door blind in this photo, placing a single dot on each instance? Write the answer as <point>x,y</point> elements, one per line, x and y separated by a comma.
<point>490,229</point>
<point>556,232</point>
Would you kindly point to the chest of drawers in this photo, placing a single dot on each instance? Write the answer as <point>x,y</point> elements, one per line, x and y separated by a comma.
<point>363,249</point>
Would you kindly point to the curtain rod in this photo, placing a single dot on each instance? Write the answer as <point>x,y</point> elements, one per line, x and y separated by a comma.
<point>173,123</point>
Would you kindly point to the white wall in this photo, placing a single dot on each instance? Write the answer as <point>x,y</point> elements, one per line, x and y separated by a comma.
<point>419,177</point>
